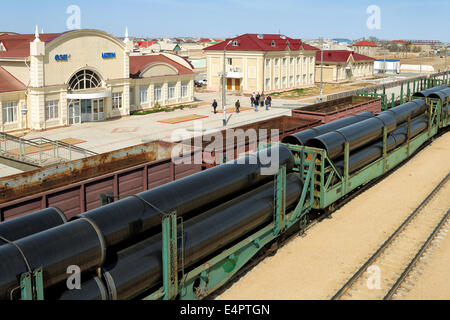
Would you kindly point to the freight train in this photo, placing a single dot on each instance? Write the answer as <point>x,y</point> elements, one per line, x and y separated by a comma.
<point>186,239</point>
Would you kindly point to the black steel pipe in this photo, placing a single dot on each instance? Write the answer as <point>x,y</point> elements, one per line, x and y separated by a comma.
<point>125,220</point>
<point>30,224</point>
<point>427,92</point>
<point>357,135</point>
<point>300,138</point>
<point>139,267</point>
<point>441,95</point>
<point>77,243</point>
<point>410,109</point>
<point>373,152</point>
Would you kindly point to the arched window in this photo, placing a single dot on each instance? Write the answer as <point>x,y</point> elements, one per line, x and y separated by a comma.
<point>85,79</point>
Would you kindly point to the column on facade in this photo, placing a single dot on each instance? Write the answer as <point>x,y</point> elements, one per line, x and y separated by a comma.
<point>1,116</point>
<point>191,90</point>
<point>178,91</point>
<point>151,95</point>
<point>64,108</point>
<point>165,93</point>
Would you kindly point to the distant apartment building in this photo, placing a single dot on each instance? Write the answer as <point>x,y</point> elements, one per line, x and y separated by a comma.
<point>343,65</point>
<point>261,62</point>
<point>365,47</point>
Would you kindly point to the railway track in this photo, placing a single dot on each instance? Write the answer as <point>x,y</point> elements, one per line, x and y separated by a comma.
<point>389,272</point>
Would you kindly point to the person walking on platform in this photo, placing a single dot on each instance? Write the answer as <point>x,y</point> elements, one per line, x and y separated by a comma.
<point>237,105</point>
<point>214,105</point>
<point>268,102</point>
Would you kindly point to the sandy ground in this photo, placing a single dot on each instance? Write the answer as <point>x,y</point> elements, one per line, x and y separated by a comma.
<point>316,266</point>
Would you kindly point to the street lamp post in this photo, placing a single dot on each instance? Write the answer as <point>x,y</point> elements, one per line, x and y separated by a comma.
<point>420,55</point>
<point>224,80</point>
<point>321,73</point>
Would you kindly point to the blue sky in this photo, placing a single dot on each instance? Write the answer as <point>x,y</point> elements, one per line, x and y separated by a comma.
<point>400,19</point>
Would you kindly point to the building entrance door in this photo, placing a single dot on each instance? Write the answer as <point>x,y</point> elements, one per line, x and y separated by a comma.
<point>237,84</point>
<point>229,84</point>
<point>98,113</point>
<point>74,112</point>
<point>86,110</point>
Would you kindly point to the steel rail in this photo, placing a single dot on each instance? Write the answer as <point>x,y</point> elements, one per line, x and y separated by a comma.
<point>381,249</point>
<point>416,258</point>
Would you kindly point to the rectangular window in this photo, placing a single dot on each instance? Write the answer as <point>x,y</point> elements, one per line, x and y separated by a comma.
<point>298,60</point>
<point>117,100</point>
<point>157,93</point>
<point>291,80</point>
<point>143,94</point>
<point>276,62</point>
<point>51,110</point>
<point>304,59</point>
<point>172,90</point>
<point>298,79</point>
<point>284,61</point>
<point>311,77</point>
<point>291,61</point>
<point>184,89</point>
<point>267,62</point>
<point>276,83</point>
<point>311,60</point>
<point>284,82</point>
<point>230,61</point>
<point>10,111</point>
<point>304,78</point>
<point>267,84</point>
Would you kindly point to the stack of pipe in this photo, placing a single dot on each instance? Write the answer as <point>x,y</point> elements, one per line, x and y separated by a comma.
<point>218,206</point>
<point>427,92</point>
<point>365,137</point>
<point>300,138</point>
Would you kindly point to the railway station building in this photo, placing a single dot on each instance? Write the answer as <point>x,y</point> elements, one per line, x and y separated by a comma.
<point>343,65</point>
<point>261,62</point>
<point>54,80</point>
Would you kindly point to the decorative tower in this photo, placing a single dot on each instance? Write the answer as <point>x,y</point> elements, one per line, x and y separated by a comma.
<point>37,100</point>
<point>126,73</point>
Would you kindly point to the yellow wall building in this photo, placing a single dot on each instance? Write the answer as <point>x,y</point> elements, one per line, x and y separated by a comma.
<point>343,65</point>
<point>83,75</point>
<point>261,63</point>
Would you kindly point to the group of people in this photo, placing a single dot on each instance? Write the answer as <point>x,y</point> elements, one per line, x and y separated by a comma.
<point>256,100</point>
<point>260,100</point>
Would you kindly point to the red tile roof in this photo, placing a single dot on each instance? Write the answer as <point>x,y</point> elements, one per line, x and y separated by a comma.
<point>9,83</point>
<point>145,44</point>
<point>364,43</point>
<point>204,40</point>
<point>18,45</point>
<point>266,42</point>
<point>139,63</point>
<point>340,56</point>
